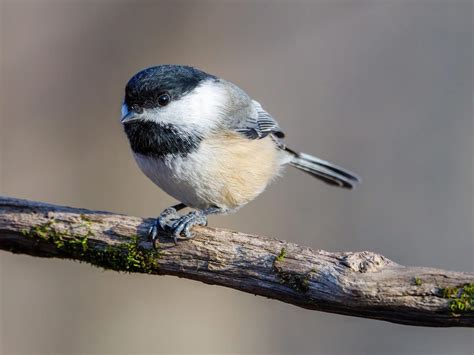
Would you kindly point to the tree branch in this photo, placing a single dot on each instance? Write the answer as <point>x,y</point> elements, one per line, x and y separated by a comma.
<point>361,284</point>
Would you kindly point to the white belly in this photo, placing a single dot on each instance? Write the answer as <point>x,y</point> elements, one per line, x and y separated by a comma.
<point>226,172</point>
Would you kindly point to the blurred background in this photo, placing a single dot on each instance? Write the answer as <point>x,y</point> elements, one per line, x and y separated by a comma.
<point>381,87</point>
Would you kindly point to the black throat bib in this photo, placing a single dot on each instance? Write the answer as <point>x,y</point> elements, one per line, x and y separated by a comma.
<point>157,140</point>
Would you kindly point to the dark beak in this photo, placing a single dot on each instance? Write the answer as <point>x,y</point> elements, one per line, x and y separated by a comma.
<point>128,115</point>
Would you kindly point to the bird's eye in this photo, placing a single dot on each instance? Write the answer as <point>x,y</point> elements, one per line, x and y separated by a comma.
<point>164,99</point>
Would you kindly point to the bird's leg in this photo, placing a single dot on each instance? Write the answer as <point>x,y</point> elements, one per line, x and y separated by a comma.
<point>184,223</point>
<point>163,219</point>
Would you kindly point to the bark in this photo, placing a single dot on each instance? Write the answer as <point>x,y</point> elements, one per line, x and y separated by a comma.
<point>361,284</point>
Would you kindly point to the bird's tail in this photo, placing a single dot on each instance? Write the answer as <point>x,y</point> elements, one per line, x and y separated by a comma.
<point>323,170</point>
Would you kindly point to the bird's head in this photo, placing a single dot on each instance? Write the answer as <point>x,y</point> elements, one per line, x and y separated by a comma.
<point>173,96</point>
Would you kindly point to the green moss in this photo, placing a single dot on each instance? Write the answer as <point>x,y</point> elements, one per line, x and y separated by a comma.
<point>45,231</point>
<point>59,243</point>
<point>282,255</point>
<point>297,281</point>
<point>461,298</point>
<point>124,256</point>
<point>418,281</point>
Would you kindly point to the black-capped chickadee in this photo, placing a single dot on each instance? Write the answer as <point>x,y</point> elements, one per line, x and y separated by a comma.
<point>205,142</point>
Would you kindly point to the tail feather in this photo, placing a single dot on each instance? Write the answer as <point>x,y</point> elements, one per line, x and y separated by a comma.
<point>323,170</point>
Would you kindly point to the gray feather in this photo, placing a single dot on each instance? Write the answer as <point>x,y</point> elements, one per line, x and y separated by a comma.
<point>323,170</point>
<point>259,124</point>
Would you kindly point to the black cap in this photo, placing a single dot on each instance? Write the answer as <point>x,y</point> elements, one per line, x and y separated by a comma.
<point>144,88</point>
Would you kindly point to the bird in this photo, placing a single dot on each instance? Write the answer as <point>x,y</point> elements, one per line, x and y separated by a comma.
<point>208,144</point>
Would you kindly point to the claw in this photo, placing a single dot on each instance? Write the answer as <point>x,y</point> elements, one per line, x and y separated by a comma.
<point>184,224</point>
<point>153,232</point>
<point>187,231</point>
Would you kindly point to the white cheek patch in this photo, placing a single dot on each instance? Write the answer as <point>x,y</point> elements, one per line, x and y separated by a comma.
<point>199,109</point>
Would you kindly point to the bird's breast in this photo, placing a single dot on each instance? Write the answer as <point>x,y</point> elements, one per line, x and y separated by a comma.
<point>226,171</point>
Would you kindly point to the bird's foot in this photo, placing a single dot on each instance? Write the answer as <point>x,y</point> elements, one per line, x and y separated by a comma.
<point>170,221</point>
<point>162,222</point>
<point>184,223</point>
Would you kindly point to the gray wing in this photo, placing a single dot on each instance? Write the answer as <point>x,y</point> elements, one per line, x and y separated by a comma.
<point>258,124</point>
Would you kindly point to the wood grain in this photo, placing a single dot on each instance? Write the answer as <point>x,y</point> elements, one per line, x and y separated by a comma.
<point>361,284</point>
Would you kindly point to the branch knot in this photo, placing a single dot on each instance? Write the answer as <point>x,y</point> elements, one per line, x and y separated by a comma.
<point>365,261</point>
